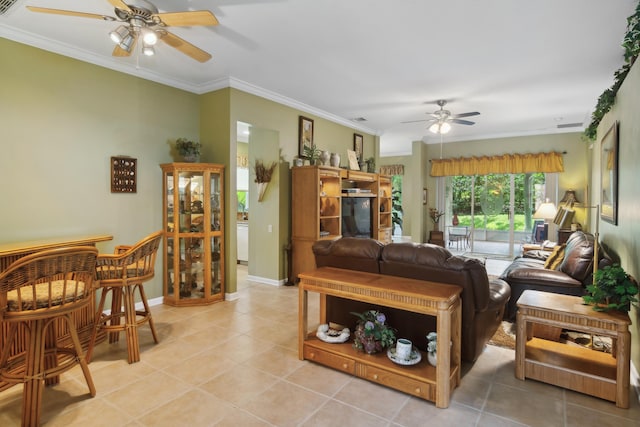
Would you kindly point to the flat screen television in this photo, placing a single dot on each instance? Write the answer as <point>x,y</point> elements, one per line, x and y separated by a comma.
<point>357,217</point>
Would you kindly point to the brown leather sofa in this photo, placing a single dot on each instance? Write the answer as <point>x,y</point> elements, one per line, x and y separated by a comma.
<point>483,298</point>
<point>570,277</point>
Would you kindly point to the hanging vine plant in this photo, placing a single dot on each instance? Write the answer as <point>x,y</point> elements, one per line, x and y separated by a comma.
<point>631,45</point>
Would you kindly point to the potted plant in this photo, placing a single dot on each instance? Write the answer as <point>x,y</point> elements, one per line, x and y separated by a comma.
<point>371,164</point>
<point>612,289</point>
<point>372,332</point>
<point>312,153</point>
<point>435,216</point>
<point>188,150</point>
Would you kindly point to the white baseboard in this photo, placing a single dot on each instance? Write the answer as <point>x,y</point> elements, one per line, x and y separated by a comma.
<point>635,381</point>
<point>266,281</point>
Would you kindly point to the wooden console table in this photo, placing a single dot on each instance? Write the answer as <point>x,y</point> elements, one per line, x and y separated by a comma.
<point>422,380</point>
<point>10,252</point>
<point>581,369</point>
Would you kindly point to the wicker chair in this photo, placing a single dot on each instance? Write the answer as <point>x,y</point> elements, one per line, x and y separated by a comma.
<point>36,291</point>
<point>122,273</point>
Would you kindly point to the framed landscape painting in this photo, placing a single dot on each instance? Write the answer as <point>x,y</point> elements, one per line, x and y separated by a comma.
<point>609,176</point>
<point>358,142</point>
<point>305,135</point>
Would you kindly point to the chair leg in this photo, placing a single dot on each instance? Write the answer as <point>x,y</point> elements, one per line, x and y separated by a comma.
<point>80,354</point>
<point>116,312</point>
<point>143,298</point>
<point>34,379</point>
<point>131,325</point>
<point>96,325</point>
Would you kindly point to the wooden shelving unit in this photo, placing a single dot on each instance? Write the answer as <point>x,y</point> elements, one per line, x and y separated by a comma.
<point>316,204</point>
<point>193,220</point>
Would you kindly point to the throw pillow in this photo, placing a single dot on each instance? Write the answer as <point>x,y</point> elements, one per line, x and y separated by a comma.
<point>556,257</point>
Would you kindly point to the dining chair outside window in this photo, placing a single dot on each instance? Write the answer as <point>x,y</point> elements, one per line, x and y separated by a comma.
<point>39,295</point>
<point>122,274</point>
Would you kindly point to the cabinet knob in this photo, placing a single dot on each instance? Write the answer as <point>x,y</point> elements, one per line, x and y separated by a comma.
<point>375,376</point>
<point>418,390</point>
<point>345,366</point>
<point>312,355</point>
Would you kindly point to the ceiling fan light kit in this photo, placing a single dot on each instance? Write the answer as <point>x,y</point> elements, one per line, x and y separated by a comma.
<point>141,19</point>
<point>440,127</point>
<point>441,119</point>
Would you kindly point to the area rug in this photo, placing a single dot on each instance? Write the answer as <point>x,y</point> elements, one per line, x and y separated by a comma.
<point>505,336</point>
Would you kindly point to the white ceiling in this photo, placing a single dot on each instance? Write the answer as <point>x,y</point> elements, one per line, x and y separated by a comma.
<point>526,66</point>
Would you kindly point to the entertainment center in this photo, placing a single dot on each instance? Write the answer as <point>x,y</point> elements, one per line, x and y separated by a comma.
<point>329,202</point>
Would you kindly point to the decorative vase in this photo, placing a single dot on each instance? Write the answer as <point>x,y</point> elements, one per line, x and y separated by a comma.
<point>435,226</point>
<point>455,219</point>
<point>325,156</point>
<point>369,344</point>
<point>335,160</point>
<point>262,187</point>
<point>432,357</point>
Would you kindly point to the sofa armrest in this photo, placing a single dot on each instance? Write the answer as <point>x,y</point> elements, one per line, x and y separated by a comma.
<point>539,276</point>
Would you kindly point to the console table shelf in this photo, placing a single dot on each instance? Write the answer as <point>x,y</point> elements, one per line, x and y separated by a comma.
<point>434,299</point>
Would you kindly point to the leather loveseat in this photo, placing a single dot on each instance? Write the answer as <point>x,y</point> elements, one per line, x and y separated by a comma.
<point>571,275</point>
<point>483,298</point>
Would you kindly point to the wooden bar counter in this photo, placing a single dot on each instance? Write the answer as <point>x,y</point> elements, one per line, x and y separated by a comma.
<point>10,252</point>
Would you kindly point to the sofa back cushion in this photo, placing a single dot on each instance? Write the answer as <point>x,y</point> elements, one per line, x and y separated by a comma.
<point>578,256</point>
<point>434,263</point>
<point>348,252</point>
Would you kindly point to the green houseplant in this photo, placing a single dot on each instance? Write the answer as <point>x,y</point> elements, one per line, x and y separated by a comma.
<point>372,332</point>
<point>312,153</point>
<point>188,150</point>
<point>612,289</point>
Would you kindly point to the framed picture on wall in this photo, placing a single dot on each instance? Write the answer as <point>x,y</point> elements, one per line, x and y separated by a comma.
<point>358,142</point>
<point>609,175</point>
<point>305,135</point>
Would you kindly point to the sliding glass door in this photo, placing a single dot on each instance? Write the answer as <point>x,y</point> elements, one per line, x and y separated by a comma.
<point>496,209</point>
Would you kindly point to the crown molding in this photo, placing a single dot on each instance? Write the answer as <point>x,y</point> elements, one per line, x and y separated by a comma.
<point>63,49</point>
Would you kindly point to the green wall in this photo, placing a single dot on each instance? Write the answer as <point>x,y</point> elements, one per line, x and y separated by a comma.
<point>62,120</point>
<point>623,239</point>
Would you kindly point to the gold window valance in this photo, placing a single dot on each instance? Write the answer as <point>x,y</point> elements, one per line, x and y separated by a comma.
<point>506,163</point>
<point>392,170</point>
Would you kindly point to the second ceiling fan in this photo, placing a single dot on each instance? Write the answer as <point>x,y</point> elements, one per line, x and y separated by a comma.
<point>141,20</point>
<point>441,119</point>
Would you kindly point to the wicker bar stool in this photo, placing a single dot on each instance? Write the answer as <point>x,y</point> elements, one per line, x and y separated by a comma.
<point>122,273</point>
<point>36,291</point>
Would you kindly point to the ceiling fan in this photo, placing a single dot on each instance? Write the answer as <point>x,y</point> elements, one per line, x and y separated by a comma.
<point>442,119</point>
<point>141,19</point>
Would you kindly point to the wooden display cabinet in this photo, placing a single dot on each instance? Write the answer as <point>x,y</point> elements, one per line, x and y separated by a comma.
<point>193,221</point>
<point>316,209</point>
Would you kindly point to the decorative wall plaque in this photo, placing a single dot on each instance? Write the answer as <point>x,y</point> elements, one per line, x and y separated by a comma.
<point>123,174</point>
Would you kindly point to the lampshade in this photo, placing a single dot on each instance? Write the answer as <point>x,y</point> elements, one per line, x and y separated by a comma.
<point>569,198</point>
<point>440,127</point>
<point>127,42</point>
<point>147,49</point>
<point>149,37</point>
<point>546,210</point>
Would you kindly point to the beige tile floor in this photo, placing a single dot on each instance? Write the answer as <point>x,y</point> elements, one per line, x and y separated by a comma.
<point>235,364</point>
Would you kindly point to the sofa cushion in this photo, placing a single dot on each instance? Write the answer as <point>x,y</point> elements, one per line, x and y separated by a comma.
<point>578,259</point>
<point>348,252</point>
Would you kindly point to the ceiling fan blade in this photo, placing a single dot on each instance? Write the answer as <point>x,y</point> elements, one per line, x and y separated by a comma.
<point>462,122</point>
<point>416,121</point>
<point>187,19</point>
<point>120,5</point>
<point>70,13</point>
<point>472,113</point>
<point>186,47</point>
<point>120,52</point>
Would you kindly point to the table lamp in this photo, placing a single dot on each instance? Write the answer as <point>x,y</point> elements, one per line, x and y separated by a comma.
<point>546,211</point>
